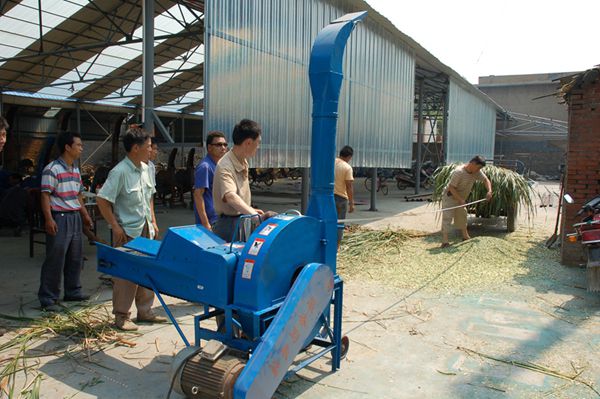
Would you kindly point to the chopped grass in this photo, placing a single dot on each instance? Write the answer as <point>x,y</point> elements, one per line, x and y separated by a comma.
<point>410,260</point>
<point>84,330</point>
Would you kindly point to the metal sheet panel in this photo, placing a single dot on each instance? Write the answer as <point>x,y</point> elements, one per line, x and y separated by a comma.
<point>471,125</point>
<point>257,68</point>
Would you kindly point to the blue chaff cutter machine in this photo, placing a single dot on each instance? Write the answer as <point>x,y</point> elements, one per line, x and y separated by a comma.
<point>275,290</point>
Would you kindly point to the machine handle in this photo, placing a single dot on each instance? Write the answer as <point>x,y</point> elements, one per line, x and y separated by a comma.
<point>292,212</point>
<point>237,227</point>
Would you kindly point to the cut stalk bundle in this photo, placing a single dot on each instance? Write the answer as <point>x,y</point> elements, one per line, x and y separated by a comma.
<point>510,192</point>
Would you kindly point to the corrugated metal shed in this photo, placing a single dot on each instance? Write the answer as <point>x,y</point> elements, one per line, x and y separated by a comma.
<point>89,52</point>
<point>471,125</point>
<point>258,68</point>
<point>258,57</point>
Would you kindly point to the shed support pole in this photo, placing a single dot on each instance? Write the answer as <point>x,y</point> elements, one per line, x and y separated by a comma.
<point>78,115</point>
<point>373,190</point>
<point>148,66</point>
<point>419,162</point>
<point>182,141</point>
<point>445,127</point>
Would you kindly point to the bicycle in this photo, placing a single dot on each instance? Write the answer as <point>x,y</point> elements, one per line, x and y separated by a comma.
<point>381,184</point>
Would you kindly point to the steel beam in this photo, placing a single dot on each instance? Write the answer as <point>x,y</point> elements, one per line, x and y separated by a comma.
<point>98,45</point>
<point>161,128</point>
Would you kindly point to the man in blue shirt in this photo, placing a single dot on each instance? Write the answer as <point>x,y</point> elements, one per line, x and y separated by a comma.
<point>204,211</point>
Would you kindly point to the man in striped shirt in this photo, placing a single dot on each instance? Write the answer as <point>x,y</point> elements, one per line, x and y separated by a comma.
<point>64,210</point>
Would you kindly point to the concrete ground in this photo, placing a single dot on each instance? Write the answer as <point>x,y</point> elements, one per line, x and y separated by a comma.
<point>528,339</point>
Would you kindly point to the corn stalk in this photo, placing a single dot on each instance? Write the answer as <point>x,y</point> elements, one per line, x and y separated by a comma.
<point>511,191</point>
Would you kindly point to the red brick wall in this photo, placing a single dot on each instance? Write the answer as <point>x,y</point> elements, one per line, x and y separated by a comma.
<point>583,162</point>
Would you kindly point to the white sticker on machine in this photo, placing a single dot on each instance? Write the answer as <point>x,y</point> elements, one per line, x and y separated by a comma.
<point>268,229</point>
<point>256,246</point>
<point>247,269</point>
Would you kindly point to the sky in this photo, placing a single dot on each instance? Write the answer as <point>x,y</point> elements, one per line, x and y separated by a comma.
<point>501,37</point>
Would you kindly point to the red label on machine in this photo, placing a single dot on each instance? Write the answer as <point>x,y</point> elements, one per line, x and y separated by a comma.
<point>247,269</point>
<point>256,246</point>
<point>268,229</point>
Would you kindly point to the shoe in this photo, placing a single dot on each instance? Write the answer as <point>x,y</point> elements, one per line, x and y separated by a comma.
<point>125,324</point>
<point>52,308</point>
<point>445,245</point>
<point>151,318</point>
<point>77,298</point>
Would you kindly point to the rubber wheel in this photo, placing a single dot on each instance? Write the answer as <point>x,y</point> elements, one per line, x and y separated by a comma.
<point>345,347</point>
<point>368,184</point>
<point>269,182</point>
<point>384,189</point>
<point>511,219</point>
<point>401,185</point>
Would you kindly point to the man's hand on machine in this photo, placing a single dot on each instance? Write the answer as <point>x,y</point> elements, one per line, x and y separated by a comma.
<point>119,236</point>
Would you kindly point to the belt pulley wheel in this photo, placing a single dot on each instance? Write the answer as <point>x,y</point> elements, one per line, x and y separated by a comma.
<point>205,379</point>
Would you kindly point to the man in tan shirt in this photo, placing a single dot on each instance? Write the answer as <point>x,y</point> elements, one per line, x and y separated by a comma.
<point>343,191</point>
<point>456,194</point>
<point>231,187</point>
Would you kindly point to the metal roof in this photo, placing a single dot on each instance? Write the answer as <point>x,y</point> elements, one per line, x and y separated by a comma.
<point>91,51</point>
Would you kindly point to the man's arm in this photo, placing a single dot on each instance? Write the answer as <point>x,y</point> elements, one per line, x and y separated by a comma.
<point>200,208</point>
<point>488,186</point>
<point>239,205</point>
<point>350,192</point>
<point>106,210</point>
<point>154,223</point>
<point>85,216</point>
<point>51,227</point>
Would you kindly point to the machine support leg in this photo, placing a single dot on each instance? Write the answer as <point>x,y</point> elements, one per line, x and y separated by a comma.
<point>338,295</point>
<point>305,190</point>
<point>167,311</point>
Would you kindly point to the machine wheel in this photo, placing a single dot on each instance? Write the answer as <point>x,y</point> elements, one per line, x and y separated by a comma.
<point>345,347</point>
<point>368,184</point>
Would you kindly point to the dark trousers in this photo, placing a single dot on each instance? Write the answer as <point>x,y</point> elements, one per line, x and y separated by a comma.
<point>225,226</point>
<point>341,207</point>
<point>64,254</point>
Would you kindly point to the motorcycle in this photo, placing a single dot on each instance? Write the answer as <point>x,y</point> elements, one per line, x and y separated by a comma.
<point>588,232</point>
<point>265,176</point>
<point>405,177</point>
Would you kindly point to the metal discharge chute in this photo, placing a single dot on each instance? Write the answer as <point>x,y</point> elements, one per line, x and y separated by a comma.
<point>278,290</point>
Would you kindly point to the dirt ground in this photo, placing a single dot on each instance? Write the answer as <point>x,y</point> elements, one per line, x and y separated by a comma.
<point>494,317</point>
